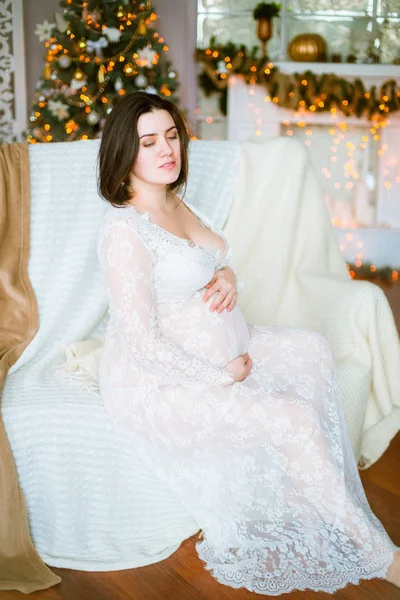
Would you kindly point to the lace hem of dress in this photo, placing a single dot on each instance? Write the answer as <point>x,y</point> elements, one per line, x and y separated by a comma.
<point>251,573</point>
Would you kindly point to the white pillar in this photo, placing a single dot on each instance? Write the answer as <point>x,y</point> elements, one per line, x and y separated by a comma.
<point>283,31</point>
<point>20,94</point>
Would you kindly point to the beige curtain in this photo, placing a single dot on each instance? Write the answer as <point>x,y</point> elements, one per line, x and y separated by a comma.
<point>21,567</point>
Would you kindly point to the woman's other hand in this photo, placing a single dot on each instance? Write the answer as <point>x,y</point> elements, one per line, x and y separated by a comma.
<point>224,282</point>
<point>240,367</point>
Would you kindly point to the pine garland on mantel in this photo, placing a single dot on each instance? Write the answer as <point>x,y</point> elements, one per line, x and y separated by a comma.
<point>372,273</point>
<point>297,91</point>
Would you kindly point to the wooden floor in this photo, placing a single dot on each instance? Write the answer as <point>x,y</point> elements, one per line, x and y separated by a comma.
<point>183,577</point>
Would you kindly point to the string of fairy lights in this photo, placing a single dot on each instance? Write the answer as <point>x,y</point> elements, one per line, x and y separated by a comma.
<point>337,131</point>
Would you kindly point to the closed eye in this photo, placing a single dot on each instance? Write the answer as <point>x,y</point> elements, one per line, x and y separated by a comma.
<point>175,137</point>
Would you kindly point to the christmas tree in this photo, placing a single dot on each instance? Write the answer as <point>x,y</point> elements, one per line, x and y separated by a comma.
<point>96,52</point>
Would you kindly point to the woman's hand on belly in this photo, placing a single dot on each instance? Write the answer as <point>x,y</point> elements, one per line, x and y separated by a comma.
<point>224,282</point>
<point>240,367</point>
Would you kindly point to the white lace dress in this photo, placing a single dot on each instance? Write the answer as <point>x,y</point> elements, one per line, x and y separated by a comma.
<point>265,465</point>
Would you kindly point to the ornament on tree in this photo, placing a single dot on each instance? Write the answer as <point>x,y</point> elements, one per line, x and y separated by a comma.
<point>172,73</point>
<point>118,85</point>
<point>58,109</point>
<point>142,6</point>
<point>141,30</point>
<point>64,61</point>
<point>47,71</point>
<point>101,75</point>
<point>146,56</point>
<point>93,118</point>
<point>113,34</point>
<point>151,89</point>
<point>97,46</point>
<point>141,81</point>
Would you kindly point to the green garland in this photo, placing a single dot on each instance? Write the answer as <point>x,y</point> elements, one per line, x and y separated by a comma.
<point>299,91</point>
<point>385,274</point>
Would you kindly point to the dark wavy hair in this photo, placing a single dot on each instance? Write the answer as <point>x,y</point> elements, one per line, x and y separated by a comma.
<point>120,145</point>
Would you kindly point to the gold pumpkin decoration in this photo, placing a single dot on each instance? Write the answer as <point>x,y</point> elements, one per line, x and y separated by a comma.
<point>308,47</point>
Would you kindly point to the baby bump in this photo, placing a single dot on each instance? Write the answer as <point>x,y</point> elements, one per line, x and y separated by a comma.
<point>216,337</point>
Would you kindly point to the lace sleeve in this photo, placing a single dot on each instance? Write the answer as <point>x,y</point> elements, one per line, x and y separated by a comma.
<point>127,266</point>
<point>225,261</point>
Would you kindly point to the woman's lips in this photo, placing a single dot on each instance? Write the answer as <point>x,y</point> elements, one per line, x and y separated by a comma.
<point>168,166</point>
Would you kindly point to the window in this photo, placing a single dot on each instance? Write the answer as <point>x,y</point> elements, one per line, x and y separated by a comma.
<point>360,27</point>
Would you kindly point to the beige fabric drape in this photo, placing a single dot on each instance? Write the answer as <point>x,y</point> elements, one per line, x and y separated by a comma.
<point>21,567</point>
<point>286,252</point>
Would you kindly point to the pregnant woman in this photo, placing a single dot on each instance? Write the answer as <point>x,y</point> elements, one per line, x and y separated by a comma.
<point>243,423</point>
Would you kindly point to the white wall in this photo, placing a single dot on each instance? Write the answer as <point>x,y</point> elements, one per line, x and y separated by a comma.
<point>177,24</point>
<point>35,11</point>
